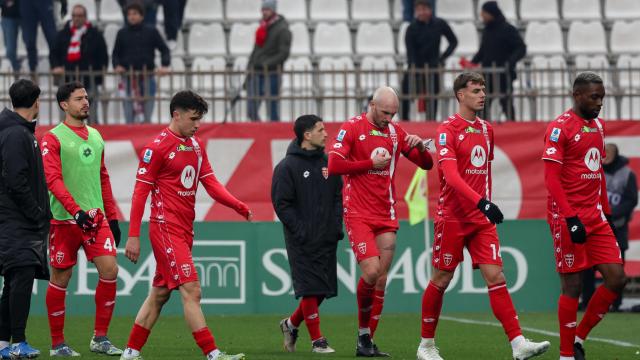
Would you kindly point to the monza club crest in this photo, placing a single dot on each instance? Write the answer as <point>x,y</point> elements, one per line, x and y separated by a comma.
<point>325,172</point>
<point>59,257</point>
<point>568,259</point>
<point>362,247</point>
<point>186,269</point>
<point>448,258</point>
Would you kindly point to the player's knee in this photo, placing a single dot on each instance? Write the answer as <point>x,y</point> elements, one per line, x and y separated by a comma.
<point>161,297</point>
<point>495,278</point>
<point>381,283</point>
<point>109,272</point>
<point>442,278</point>
<point>617,282</point>
<point>61,277</point>
<point>192,292</point>
<point>371,274</point>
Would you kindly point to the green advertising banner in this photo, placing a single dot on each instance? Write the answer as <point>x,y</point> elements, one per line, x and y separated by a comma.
<point>243,269</point>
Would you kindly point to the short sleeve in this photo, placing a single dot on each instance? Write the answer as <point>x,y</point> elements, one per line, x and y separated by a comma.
<point>554,142</point>
<point>150,164</point>
<point>343,141</point>
<point>445,145</point>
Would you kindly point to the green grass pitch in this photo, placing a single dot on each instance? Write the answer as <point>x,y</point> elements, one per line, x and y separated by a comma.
<point>259,337</point>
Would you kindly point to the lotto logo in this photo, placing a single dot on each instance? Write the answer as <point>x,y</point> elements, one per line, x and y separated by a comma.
<point>551,151</point>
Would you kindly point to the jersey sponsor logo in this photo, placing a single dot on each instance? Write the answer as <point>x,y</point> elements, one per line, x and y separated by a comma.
<point>188,176</point>
<point>379,172</point>
<point>447,259</point>
<point>476,171</point>
<point>377,133</point>
<point>380,150</point>
<point>185,193</point>
<point>183,147</point>
<point>442,139</point>
<point>362,247</point>
<point>337,145</point>
<point>478,156</point>
<point>443,152</point>
<point>551,151</point>
<point>472,130</point>
<point>592,159</point>
<point>142,171</point>
<point>568,259</point>
<point>586,129</point>
<point>186,269</point>
<point>146,158</point>
<point>591,176</point>
<point>305,174</point>
<point>555,134</point>
<point>341,135</point>
<point>325,172</point>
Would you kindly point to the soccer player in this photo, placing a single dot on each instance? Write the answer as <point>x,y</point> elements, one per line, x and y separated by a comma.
<point>171,168</point>
<point>578,213</point>
<point>466,217</point>
<point>81,197</point>
<point>366,151</point>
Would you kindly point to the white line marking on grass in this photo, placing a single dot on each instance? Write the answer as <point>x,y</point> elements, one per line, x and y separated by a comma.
<point>534,330</point>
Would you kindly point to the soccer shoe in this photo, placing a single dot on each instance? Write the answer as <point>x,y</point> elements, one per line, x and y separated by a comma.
<point>321,346</point>
<point>5,354</point>
<point>364,346</point>
<point>430,352</point>
<point>23,350</point>
<point>578,351</point>
<point>63,350</point>
<point>126,356</point>
<point>104,346</point>
<point>378,353</point>
<point>224,356</point>
<point>529,349</point>
<point>290,336</point>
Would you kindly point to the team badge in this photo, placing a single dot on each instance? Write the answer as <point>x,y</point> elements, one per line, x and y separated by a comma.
<point>186,269</point>
<point>555,134</point>
<point>568,259</point>
<point>447,259</point>
<point>325,172</point>
<point>362,247</point>
<point>341,135</point>
<point>59,257</point>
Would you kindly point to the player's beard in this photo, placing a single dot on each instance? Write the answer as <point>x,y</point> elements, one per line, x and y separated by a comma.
<point>81,115</point>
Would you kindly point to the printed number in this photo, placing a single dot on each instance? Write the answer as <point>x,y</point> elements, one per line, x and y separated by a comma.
<point>495,251</point>
<point>107,245</point>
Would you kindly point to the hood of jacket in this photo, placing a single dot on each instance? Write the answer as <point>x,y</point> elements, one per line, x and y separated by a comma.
<point>10,118</point>
<point>618,163</point>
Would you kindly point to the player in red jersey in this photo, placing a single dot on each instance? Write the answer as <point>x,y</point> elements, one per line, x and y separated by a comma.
<point>578,213</point>
<point>171,168</point>
<point>466,217</point>
<point>367,150</point>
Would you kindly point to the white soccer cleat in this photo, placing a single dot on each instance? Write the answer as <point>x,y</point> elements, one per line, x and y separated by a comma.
<point>529,349</point>
<point>321,346</point>
<point>290,336</point>
<point>429,352</point>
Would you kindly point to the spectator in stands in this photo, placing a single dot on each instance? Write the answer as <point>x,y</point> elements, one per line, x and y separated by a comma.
<point>502,47</point>
<point>622,190</point>
<point>133,56</point>
<point>273,44</point>
<point>36,12</point>
<point>173,11</point>
<point>10,26</point>
<point>408,7</point>
<point>78,49</point>
<point>422,41</point>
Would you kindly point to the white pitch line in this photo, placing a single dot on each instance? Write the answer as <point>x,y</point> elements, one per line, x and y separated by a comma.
<point>539,331</point>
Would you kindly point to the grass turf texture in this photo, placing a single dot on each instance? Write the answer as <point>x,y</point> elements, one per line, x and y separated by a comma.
<point>259,337</point>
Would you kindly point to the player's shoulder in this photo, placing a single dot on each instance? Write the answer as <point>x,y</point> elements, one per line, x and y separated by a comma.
<point>448,124</point>
<point>562,121</point>
<point>161,140</point>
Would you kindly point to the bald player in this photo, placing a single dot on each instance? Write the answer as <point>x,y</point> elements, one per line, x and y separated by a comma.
<point>366,152</point>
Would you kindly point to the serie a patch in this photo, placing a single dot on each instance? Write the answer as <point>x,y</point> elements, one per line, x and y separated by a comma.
<point>555,134</point>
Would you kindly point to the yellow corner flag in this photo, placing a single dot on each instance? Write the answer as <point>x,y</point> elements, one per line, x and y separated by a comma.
<point>416,197</point>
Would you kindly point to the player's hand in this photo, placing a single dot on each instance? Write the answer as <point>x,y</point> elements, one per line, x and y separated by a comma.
<point>381,160</point>
<point>613,227</point>
<point>249,216</point>
<point>413,141</point>
<point>84,221</point>
<point>161,71</point>
<point>491,211</point>
<point>132,249</point>
<point>115,230</point>
<point>576,230</point>
<point>428,145</point>
<point>120,69</point>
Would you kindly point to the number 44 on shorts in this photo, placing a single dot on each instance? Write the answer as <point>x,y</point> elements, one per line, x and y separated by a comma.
<point>108,245</point>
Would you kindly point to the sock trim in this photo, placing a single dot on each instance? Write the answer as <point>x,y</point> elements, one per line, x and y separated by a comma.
<point>57,287</point>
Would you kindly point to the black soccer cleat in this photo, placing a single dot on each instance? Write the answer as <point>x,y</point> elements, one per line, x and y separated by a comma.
<point>578,351</point>
<point>364,346</point>
<point>378,353</point>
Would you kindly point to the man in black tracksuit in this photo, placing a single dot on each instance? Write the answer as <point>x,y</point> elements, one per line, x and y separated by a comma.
<point>308,202</point>
<point>24,216</point>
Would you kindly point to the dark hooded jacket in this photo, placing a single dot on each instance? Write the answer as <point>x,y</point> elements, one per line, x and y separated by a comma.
<point>24,198</point>
<point>308,202</point>
<point>501,44</point>
<point>276,48</point>
<point>622,190</point>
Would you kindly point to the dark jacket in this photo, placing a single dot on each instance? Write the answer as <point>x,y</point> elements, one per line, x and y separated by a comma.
<point>24,198</point>
<point>276,48</point>
<point>501,45</point>
<point>10,8</point>
<point>308,202</point>
<point>93,53</point>
<point>136,46</point>
<point>422,41</point>
<point>622,190</point>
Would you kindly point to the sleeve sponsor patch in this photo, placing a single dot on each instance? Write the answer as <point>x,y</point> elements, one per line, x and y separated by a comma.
<point>341,135</point>
<point>555,134</point>
<point>442,139</point>
<point>146,158</point>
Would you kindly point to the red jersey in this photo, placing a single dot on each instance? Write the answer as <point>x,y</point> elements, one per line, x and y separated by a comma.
<point>371,194</point>
<point>578,145</point>
<point>470,144</point>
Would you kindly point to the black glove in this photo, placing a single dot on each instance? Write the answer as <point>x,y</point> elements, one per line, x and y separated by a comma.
<point>83,220</point>
<point>576,230</point>
<point>63,8</point>
<point>115,230</point>
<point>613,227</point>
<point>491,211</point>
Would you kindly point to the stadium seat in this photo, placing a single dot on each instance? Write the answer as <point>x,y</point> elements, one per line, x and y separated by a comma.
<point>544,38</point>
<point>293,9</point>
<point>110,33</point>
<point>628,78</point>
<point>397,9</point>
<point>110,11</point>
<point>208,83</point>
<point>179,50</point>
<point>581,9</point>
<point>329,10</point>
<point>242,38</point>
<point>207,40</point>
<point>332,39</point>
<point>298,81</point>
<point>374,39</point>
<point>378,71</point>
<point>297,85</point>
<point>622,9</point>
<point>624,37</point>
<point>508,8</point>
<point>243,10</point>
<point>172,83</point>
<point>370,10</point>
<point>539,9</point>
<point>468,43</point>
<point>336,81</point>
<point>452,68</point>
<point>203,10</point>
<point>455,9</point>
<point>630,108</point>
<point>300,39</point>
<point>402,50</point>
<point>596,63</point>
<point>586,37</point>
<point>549,72</point>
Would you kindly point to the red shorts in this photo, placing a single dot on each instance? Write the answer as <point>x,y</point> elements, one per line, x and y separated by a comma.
<point>451,237</point>
<point>362,235</point>
<point>66,239</point>
<point>601,247</point>
<point>172,250</point>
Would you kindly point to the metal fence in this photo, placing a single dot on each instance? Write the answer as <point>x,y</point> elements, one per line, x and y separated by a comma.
<point>335,93</point>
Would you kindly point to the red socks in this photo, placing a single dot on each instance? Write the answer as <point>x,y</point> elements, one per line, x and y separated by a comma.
<point>376,310</point>
<point>596,309</point>
<point>504,310</point>
<point>364,294</point>
<point>309,305</point>
<point>567,315</point>
<point>138,337</point>
<point>297,317</point>
<point>55,310</point>
<point>205,340</point>
<point>431,306</point>
<point>105,303</point>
